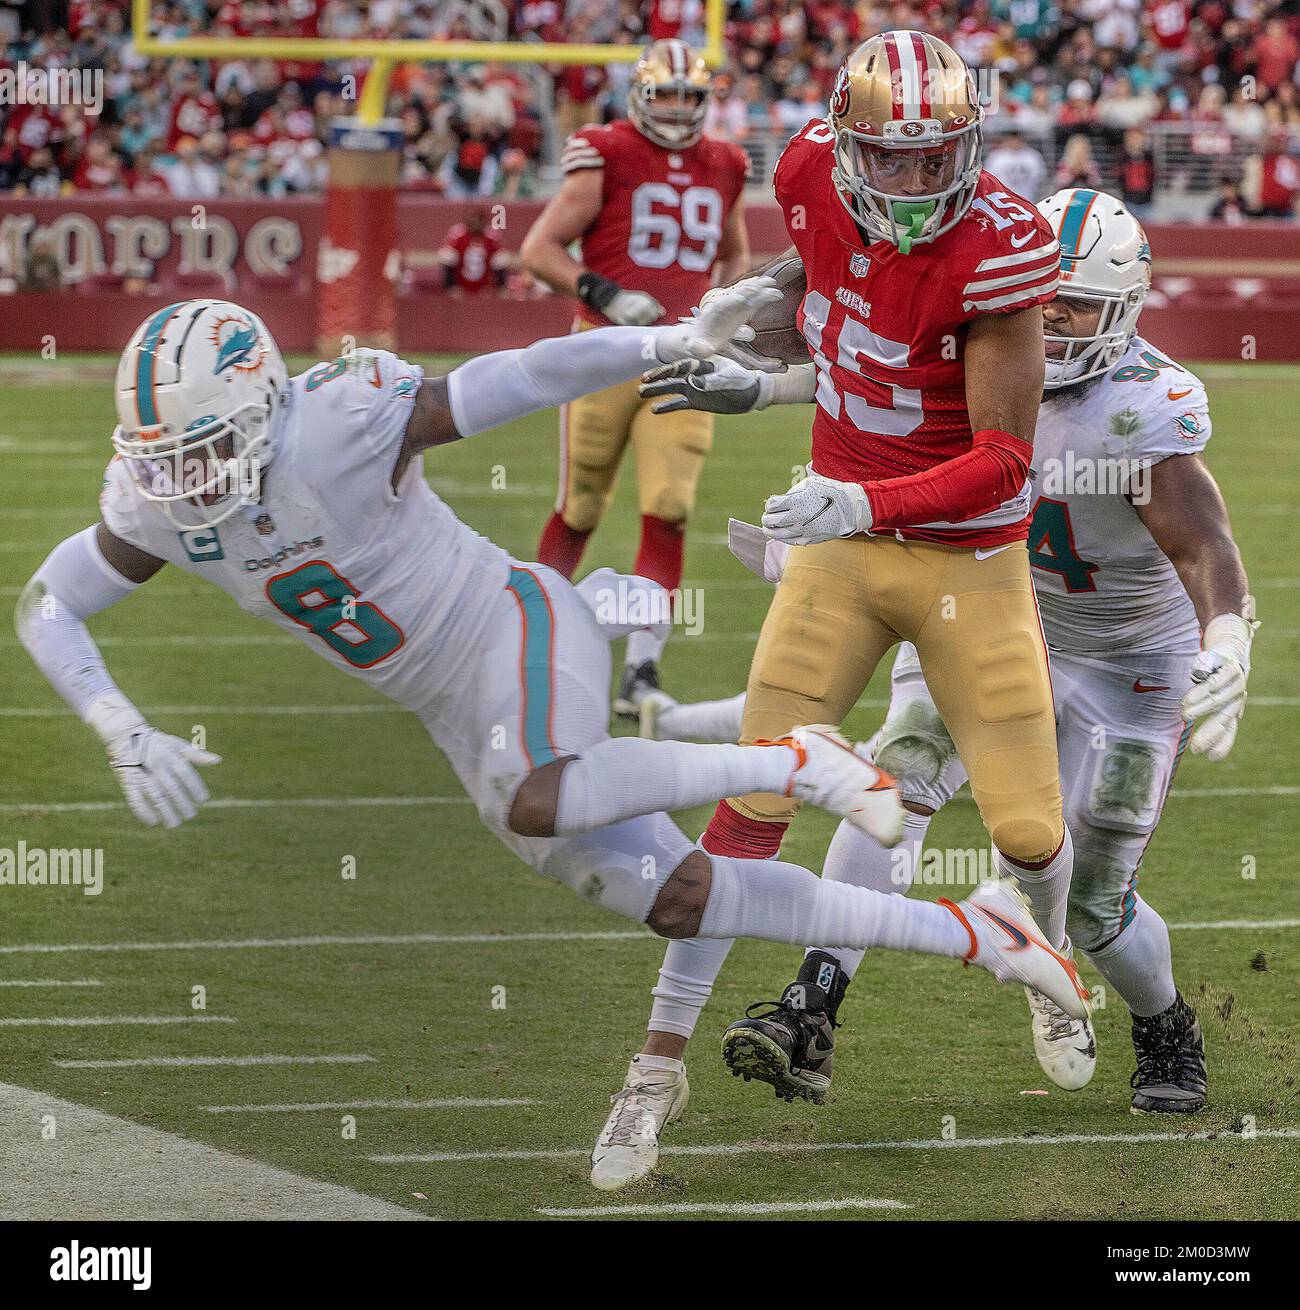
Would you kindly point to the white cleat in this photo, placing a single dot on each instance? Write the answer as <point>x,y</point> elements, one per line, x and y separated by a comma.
<point>837,777</point>
<point>628,1145</point>
<point>1066,1048</point>
<point>1006,941</point>
<point>652,705</point>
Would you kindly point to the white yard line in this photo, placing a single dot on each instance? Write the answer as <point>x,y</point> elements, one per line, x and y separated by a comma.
<point>109,1020</point>
<point>210,1061</point>
<point>799,1148</point>
<point>260,711</point>
<point>238,803</point>
<point>720,1207</point>
<point>461,939</point>
<point>363,939</point>
<point>443,1103</point>
<point>365,802</point>
<point>97,1166</point>
<point>50,982</point>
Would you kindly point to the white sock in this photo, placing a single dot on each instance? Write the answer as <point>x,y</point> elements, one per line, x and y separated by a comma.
<point>703,720</point>
<point>1047,889</point>
<point>643,1064</point>
<point>686,978</point>
<point>1137,963</point>
<point>623,777</point>
<point>642,645</point>
<point>780,902</point>
<point>855,858</point>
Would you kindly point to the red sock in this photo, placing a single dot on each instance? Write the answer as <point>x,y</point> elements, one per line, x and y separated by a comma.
<point>659,556</point>
<point>735,834</point>
<point>561,546</point>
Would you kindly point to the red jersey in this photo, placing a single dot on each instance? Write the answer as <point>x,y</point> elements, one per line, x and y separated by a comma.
<point>887,330</point>
<point>663,212</point>
<point>193,116</point>
<point>473,257</point>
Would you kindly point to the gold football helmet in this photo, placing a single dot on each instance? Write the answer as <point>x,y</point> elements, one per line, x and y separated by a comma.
<point>907,137</point>
<point>668,94</point>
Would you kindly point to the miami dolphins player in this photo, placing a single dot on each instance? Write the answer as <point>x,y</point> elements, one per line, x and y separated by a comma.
<point>1148,622</point>
<point>303,498</point>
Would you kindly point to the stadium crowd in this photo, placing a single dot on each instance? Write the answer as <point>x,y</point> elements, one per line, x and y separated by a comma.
<point>1080,82</point>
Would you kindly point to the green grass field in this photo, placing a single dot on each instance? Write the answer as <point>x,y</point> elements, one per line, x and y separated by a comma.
<point>928,1050</point>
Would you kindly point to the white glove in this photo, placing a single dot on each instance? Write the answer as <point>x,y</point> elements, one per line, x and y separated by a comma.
<point>739,349</point>
<point>716,323</point>
<point>154,769</point>
<point>633,309</point>
<point>817,509</point>
<point>1217,698</point>
<point>718,385</point>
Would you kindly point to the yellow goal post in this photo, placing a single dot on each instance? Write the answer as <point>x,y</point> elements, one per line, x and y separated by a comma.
<point>386,55</point>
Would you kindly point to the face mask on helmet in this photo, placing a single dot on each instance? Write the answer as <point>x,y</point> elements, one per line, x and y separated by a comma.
<point>903,192</point>
<point>670,115</point>
<point>1074,357</point>
<point>198,393</point>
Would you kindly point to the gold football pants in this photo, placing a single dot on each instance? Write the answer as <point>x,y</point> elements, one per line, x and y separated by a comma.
<point>596,430</point>
<point>842,604</point>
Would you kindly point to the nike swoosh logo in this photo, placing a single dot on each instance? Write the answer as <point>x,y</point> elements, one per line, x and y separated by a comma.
<point>1178,395</point>
<point>828,503</point>
<point>981,553</point>
<point>1139,686</point>
<point>1010,929</point>
<point>1021,242</point>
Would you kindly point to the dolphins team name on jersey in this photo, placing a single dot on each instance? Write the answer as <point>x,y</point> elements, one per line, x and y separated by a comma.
<point>386,585</point>
<point>1102,581</point>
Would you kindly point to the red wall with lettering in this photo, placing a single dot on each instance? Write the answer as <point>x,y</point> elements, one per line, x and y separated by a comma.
<point>1221,292</point>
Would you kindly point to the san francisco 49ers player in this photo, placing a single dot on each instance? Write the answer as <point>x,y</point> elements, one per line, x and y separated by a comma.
<point>925,282</point>
<point>1145,609</point>
<point>657,206</point>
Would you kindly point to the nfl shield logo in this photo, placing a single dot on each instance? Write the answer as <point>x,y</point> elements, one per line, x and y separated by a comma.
<point>858,265</point>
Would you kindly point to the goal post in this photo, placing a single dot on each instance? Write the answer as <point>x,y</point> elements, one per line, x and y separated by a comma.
<point>358,262</point>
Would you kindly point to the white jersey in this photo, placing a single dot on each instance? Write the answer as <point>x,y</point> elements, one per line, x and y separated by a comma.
<point>387,586</point>
<point>1103,585</point>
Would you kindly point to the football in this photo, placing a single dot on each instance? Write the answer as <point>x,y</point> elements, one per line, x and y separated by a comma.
<point>775,332</point>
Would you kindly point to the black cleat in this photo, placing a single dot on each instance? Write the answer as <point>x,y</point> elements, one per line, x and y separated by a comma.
<point>637,680</point>
<point>791,1044</point>
<point>1170,1077</point>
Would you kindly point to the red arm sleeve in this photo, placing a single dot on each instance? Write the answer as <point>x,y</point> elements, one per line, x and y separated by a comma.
<point>992,471</point>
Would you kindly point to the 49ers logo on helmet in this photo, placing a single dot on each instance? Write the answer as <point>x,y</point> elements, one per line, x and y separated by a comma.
<point>912,129</point>
<point>840,95</point>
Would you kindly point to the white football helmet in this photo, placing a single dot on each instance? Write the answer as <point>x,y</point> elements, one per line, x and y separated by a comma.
<point>198,388</point>
<point>1104,256</point>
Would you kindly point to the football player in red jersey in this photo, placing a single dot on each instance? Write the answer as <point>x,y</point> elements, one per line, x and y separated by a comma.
<point>657,206</point>
<point>925,281</point>
<point>471,257</point>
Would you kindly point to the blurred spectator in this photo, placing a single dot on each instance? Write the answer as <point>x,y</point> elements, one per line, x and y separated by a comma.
<point>1014,161</point>
<point>1228,207</point>
<point>1137,173</point>
<point>191,176</point>
<point>469,169</point>
<point>1270,179</point>
<point>1077,167</point>
<point>1276,53</point>
<point>727,115</point>
<point>41,271</point>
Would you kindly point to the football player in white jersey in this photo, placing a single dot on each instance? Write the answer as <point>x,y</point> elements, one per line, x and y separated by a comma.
<point>1148,622</point>
<point>304,499</point>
